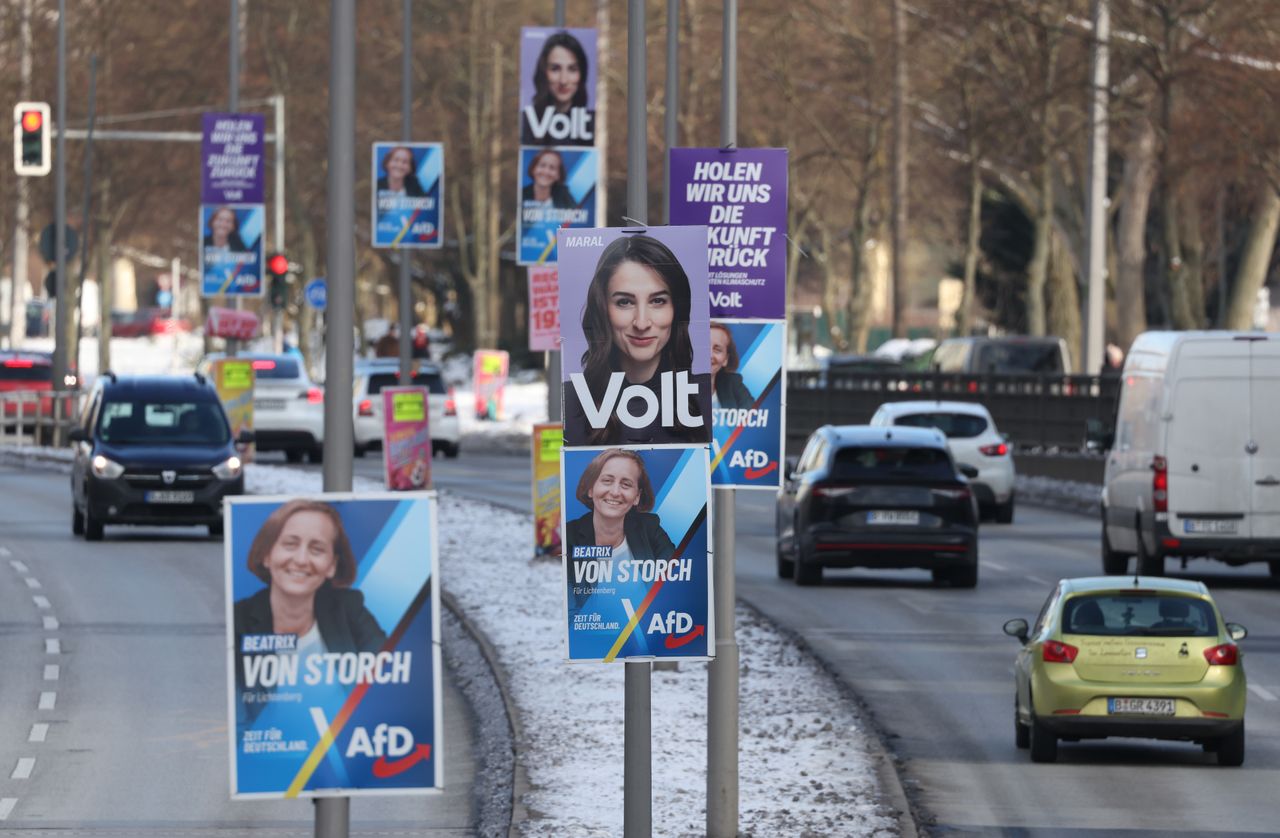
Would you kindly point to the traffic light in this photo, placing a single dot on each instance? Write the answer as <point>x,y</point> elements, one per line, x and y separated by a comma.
<point>278,268</point>
<point>31,131</point>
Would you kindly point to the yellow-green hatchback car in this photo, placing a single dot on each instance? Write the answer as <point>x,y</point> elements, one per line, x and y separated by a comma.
<point>1144,657</point>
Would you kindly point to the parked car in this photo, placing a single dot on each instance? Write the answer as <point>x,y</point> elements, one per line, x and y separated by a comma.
<point>1010,355</point>
<point>152,450</point>
<point>288,407</point>
<point>974,441</point>
<point>1194,463</point>
<point>1143,657</point>
<point>373,375</point>
<point>877,497</point>
<point>23,372</point>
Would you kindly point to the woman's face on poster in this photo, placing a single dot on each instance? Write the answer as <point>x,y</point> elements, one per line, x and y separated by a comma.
<point>641,312</point>
<point>719,348</point>
<point>547,171</point>
<point>399,163</point>
<point>563,76</point>
<point>303,558</point>
<point>617,488</point>
<point>222,224</point>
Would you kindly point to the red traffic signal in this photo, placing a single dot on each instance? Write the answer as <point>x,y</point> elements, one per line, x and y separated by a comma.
<point>31,151</point>
<point>278,265</point>
<point>31,121</point>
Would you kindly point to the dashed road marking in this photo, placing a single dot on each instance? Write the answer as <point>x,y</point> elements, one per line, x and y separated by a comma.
<point>4,551</point>
<point>47,700</point>
<point>32,582</point>
<point>1035,579</point>
<point>52,646</point>
<point>22,771</point>
<point>6,807</point>
<point>18,566</point>
<point>994,565</point>
<point>39,731</point>
<point>1262,692</point>
<point>41,601</point>
<point>52,671</point>
<point>50,623</point>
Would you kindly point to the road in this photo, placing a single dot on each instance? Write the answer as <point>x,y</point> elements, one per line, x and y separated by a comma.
<point>113,708</point>
<point>935,671</point>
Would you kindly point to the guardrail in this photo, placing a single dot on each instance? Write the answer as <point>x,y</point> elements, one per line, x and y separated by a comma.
<point>42,417</point>
<point>1035,411</point>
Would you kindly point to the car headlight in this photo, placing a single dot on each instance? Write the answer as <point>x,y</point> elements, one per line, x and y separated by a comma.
<point>228,468</point>
<point>107,469</point>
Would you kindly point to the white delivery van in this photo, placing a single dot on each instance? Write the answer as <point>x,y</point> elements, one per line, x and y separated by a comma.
<point>1193,469</point>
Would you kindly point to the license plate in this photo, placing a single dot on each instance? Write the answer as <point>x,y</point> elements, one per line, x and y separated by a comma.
<point>161,496</point>
<point>1219,526</point>
<point>268,404</point>
<point>1141,706</point>
<point>881,516</point>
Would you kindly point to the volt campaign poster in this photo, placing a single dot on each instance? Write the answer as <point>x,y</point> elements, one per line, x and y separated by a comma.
<point>741,195</point>
<point>408,195</point>
<point>635,324</point>
<point>231,158</point>
<point>231,257</point>
<point>637,554</point>
<point>748,389</point>
<point>558,72</point>
<point>233,380</point>
<point>333,645</point>
<point>544,309</point>
<point>548,439</point>
<point>490,381</point>
<point>406,440</point>
<point>557,192</point>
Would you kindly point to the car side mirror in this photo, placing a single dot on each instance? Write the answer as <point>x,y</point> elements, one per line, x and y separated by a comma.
<point>78,435</point>
<point>1017,628</point>
<point>1098,436</point>
<point>791,464</point>
<point>1237,631</point>
<point>968,471</point>
<point>245,438</point>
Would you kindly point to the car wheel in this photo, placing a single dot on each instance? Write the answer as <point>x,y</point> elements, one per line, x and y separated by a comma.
<point>1021,732</point>
<point>806,573</point>
<point>786,567</point>
<point>215,530</point>
<point>1004,512</point>
<point>965,577</point>
<point>1231,748</point>
<point>1274,567</point>
<point>293,455</point>
<point>1043,744</point>
<point>77,522</point>
<point>92,526</point>
<point>1148,565</point>
<point>357,450</point>
<point>315,454</point>
<point>451,450</point>
<point>1113,563</point>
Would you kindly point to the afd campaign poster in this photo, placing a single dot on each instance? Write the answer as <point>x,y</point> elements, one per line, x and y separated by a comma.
<point>408,195</point>
<point>231,158</point>
<point>637,554</point>
<point>557,191</point>
<point>558,72</point>
<point>741,194</point>
<point>231,257</point>
<point>406,434</point>
<point>748,389</point>
<point>635,321</point>
<point>333,645</point>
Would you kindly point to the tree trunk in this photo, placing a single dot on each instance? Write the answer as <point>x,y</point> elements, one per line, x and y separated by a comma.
<point>831,292</point>
<point>1137,181</point>
<point>1192,259</point>
<point>1038,268</point>
<point>1255,259</point>
<point>1064,300</point>
<point>971,250</point>
<point>899,186</point>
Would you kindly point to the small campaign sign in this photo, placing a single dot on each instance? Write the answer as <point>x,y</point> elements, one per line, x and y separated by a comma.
<point>490,382</point>
<point>544,309</point>
<point>548,439</point>
<point>406,446</point>
<point>233,379</point>
<point>748,403</point>
<point>316,293</point>
<point>231,151</point>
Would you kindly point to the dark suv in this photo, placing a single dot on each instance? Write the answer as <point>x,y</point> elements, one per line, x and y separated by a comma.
<point>153,450</point>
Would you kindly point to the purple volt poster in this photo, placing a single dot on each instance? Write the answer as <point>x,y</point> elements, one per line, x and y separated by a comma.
<point>231,158</point>
<point>741,195</point>
<point>558,72</point>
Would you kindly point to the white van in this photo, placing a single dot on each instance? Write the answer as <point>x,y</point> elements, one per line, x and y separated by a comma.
<point>1194,465</point>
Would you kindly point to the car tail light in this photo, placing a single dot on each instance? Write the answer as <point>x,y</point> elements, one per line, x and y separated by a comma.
<point>998,450</point>
<point>1160,484</point>
<point>952,494</point>
<point>1228,654</point>
<point>1057,652</point>
<point>19,363</point>
<point>821,491</point>
<point>313,395</point>
<point>366,407</point>
<point>264,365</point>
<point>450,404</point>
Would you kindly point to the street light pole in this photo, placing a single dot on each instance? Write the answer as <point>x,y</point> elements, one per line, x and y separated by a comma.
<point>405,288</point>
<point>1096,257</point>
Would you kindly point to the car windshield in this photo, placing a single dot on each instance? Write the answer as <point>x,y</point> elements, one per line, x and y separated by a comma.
<point>1139,614</point>
<point>163,423</point>
<point>279,367</point>
<point>954,425</point>
<point>1019,358</point>
<point>431,380</point>
<point>892,463</point>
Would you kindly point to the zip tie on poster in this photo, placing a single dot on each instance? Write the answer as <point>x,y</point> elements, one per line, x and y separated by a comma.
<point>635,222</point>
<point>729,149</point>
<point>796,244</point>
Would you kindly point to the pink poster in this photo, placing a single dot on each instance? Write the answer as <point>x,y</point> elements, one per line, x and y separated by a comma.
<point>406,450</point>
<point>544,309</point>
<point>490,380</point>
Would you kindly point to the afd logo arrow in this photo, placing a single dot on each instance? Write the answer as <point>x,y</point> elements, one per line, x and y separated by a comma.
<point>754,473</point>
<point>383,769</point>
<point>673,642</point>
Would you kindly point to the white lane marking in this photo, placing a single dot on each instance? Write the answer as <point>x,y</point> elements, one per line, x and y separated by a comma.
<point>4,551</point>
<point>22,771</point>
<point>1035,579</point>
<point>18,566</point>
<point>52,671</point>
<point>51,623</point>
<point>41,601</point>
<point>47,700</point>
<point>52,646</point>
<point>6,807</point>
<point>993,565</point>
<point>32,582</point>
<point>1262,692</point>
<point>39,731</point>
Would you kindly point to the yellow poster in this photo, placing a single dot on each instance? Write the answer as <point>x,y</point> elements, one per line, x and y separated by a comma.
<point>547,441</point>
<point>233,379</point>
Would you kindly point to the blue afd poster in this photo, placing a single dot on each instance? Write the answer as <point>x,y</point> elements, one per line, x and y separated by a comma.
<point>557,191</point>
<point>333,651</point>
<point>637,553</point>
<point>231,244</point>
<point>408,195</point>
<point>748,408</point>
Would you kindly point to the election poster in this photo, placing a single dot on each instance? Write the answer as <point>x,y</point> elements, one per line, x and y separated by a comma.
<point>637,554</point>
<point>408,195</point>
<point>333,645</point>
<point>558,72</point>
<point>406,446</point>
<point>233,380</point>
<point>635,324</point>
<point>490,382</point>
<point>548,439</point>
<point>231,256</point>
<point>557,191</point>
<point>231,158</point>
<point>741,195</point>
<point>748,401</point>
<point>544,309</point>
